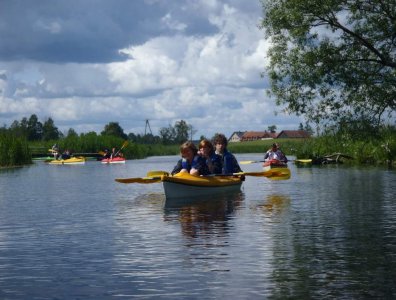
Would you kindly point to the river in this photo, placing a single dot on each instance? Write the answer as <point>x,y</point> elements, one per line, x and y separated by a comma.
<point>72,232</point>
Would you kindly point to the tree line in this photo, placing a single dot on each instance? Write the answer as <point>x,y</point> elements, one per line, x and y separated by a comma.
<point>32,129</point>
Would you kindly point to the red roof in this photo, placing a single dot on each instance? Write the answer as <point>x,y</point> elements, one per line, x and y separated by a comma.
<point>293,134</point>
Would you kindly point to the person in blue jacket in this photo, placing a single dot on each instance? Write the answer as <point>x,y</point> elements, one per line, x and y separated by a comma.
<point>191,162</point>
<point>213,160</point>
<point>230,163</point>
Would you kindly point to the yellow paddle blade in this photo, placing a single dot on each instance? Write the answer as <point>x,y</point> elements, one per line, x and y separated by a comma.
<point>278,174</point>
<point>275,174</point>
<point>246,162</point>
<point>124,144</point>
<point>304,161</point>
<point>143,180</point>
<point>101,153</point>
<point>157,173</point>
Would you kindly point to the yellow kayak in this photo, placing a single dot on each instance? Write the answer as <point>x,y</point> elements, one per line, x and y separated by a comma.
<point>71,161</point>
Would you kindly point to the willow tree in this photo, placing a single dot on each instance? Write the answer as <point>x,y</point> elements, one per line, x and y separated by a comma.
<point>333,60</point>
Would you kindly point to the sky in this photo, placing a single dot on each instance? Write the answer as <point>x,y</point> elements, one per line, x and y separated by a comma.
<point>85,63</point>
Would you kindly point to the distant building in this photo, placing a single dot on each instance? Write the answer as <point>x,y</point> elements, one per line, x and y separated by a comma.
<point>257,135</point>
<point>236,136</point>
<point>298,134</point>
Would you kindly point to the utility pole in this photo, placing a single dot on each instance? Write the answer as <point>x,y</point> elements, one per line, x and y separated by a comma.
<point>147,126</point>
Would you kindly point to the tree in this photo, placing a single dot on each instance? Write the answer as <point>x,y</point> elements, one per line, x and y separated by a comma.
<point>182,131</point>
<point>114,129</point>
<point>168,134</point>
<point>50,131</point>
<point>71,133</point>
<point>333,60</point>
<point>272,128</point>
<point>34,129</point>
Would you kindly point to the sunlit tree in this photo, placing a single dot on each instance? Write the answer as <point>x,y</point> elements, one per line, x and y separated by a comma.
<point>333,60</point>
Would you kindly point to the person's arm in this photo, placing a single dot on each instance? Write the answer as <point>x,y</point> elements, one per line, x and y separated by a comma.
<point>177,168</point>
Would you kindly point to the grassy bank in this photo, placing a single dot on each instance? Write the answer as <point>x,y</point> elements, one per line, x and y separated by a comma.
<point>372,150</point>
<point>379,149</point>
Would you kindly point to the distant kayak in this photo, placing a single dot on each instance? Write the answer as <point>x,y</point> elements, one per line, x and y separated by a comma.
<point>115,160</point>
<point>273,163</point>
<point>71,161</point>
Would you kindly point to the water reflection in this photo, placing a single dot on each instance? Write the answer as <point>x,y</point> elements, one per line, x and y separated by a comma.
<point>274,204</point>
<point>204,218</point>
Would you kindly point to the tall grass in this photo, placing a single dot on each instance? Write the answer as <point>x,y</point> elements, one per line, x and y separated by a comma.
<point>14,151</point>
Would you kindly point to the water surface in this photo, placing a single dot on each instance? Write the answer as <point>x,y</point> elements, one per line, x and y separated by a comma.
<point>72,232</point>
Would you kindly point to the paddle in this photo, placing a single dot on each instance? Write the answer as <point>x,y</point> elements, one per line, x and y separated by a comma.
<point>122,147</point>
<point>152,177</point>
<point>143,180</point>
<point>246,162</point>
<point>274,173</point>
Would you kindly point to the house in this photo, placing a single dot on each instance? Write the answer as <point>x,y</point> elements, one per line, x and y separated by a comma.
<point>257,135</point>
<point>236,136</point>
<point>298,134</point>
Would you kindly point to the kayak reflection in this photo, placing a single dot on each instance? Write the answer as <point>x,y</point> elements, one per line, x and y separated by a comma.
<point>203,218</point>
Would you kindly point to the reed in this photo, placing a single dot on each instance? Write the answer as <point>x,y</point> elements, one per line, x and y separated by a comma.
<point>14,151</point>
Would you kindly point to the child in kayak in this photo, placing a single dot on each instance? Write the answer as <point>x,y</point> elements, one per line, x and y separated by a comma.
<point>213,160</point>
<point>190,162</point>
<point>229,163</point>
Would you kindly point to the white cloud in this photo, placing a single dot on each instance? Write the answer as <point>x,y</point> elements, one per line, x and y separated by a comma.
<point>210,80</point>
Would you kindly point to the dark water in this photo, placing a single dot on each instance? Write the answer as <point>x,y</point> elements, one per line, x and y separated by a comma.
<point>72,232</point>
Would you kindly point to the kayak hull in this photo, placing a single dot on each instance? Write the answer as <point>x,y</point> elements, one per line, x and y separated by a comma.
<point>184,185</point>
<point>70,161</point>
<point>115,160</point>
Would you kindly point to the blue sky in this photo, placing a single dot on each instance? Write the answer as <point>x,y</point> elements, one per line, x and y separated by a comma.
<point>86,63</point>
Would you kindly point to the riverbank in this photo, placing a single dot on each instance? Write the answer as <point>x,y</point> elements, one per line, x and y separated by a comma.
<point>378,149</point>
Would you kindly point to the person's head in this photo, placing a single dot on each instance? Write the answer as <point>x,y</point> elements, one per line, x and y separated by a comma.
<point>206,147</point>
<point>274,147</point>
<point>188,150</point>
<point>220,142</point>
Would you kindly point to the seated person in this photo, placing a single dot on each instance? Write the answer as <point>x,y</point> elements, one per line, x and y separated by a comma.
<point>229,162</point>
<point>213,160</point>
<point>275,153</point>
<point>106,154</point>
<point>66,155</point>
<point>190,162</point>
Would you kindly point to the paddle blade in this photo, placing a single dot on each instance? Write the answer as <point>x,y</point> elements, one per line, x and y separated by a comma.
<point>142,180</point>
<point>274,174</point>
<point>246,162</point>
<point>278,174</point>
<point>157,173</point>
<point>124,144</point>
<point>303,161</point>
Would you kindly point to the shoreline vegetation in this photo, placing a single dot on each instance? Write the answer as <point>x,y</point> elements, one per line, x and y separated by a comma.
<point>378,149</point>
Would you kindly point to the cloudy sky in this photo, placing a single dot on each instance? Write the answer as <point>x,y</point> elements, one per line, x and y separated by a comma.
<point>86,63</point>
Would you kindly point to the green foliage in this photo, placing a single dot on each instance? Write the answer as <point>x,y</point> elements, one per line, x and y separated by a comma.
<point>14,151</point>
<point>333,61</point>
<point>177,134</point>
<point>114,129</point>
